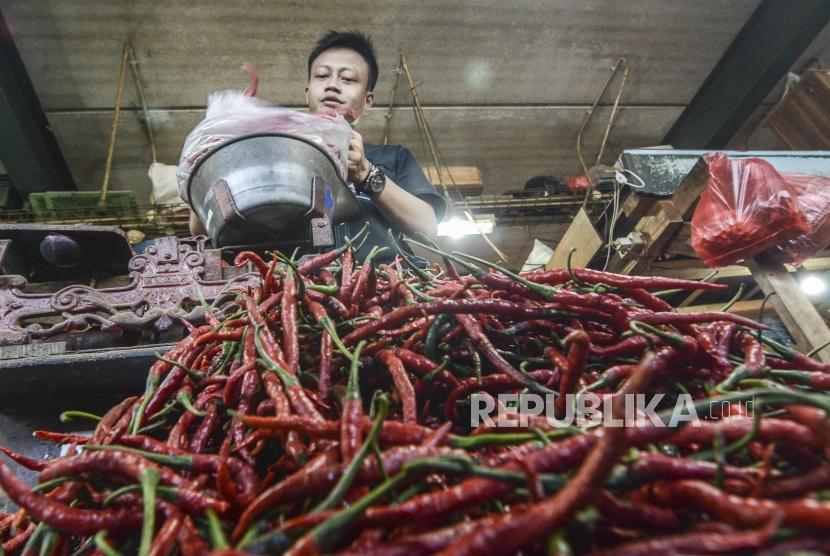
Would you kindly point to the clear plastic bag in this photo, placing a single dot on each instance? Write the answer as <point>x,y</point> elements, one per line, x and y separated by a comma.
<point>747,208</point>
<point>232,114</point>
<point>814,205</point>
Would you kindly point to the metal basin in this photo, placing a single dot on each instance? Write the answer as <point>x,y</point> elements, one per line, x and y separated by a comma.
<point>267,188</point>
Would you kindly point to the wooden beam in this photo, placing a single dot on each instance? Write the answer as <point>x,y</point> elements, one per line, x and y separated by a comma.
<point>690,269</point>
<point>748,309</point>
<point>582,235</point>
<point>797,312</point>
<point>681,243</point>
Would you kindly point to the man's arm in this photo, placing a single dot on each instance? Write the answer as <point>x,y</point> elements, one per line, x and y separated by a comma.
<point>405,211</point>
<point>402,209</point>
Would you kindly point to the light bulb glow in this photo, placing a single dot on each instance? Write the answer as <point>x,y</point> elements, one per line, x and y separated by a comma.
<point>813,285</point>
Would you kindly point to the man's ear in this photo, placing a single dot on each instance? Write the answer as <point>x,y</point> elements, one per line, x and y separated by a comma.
<point>306,96</point>
<point>370,99</point>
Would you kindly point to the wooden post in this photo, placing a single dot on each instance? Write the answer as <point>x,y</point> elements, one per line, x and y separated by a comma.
<point>582,235</point>
<point>797,312</point>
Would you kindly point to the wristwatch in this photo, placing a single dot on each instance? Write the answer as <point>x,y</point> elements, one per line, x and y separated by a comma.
<point>373,184</point>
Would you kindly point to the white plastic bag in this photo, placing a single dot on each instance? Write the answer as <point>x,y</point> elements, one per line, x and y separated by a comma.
<point>165,188</point>
<point>232,114</point>
<point>538,257</point>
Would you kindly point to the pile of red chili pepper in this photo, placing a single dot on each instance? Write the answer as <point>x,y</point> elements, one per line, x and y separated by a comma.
<point>328,410</point>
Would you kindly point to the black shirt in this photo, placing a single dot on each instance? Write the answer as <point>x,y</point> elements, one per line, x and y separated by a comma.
<point>401,167</point>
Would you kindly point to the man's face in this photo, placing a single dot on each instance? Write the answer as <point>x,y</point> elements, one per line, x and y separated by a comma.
<point>339,83</point>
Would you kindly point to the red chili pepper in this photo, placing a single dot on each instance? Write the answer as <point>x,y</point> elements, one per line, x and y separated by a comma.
<point>110,418</point>
<point>562,275</point>
<point>244,257</point>
<point>802,513</point>
<point>754,358</point>
<point>453,306</point>
<point>250,386</point>
<point>415,338</point>
<point>260,329</point>
<point>732,428</point>
<point>63,517</point>
<point>351,435</point>
<point>205,430</point>
<point>403,386</point>
<point>798,484</point>
<point>656,319</point>
<point>19,541</point>
<point>730,542</point>
<point>27,462</point>
<point>635,515</point>
<point>579,346</point>
<point>166,536</point>
<point>245,476</point>
<point>320,474</point>
<point>190,540</point>
<point>512,531</point>
<point>288,314</point>
<point>483,344</point>
<point>651,467</point>
<point>490,383</point>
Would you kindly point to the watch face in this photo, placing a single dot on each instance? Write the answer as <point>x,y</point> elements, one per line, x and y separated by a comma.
<point>375,182</point>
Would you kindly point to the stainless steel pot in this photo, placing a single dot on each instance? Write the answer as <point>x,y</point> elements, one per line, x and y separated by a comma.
<point>269,188</point>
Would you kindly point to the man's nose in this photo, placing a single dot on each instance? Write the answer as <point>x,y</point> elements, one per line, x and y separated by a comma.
<point>333,84</point>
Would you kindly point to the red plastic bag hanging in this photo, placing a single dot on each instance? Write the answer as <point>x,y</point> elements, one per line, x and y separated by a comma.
<point>814,205</point>
<point>747,208</point>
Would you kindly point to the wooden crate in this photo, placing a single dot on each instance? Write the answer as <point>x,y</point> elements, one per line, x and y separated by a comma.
<point>467,179</point>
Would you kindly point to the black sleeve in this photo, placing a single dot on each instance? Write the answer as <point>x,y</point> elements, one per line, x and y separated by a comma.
<point>411,177</point>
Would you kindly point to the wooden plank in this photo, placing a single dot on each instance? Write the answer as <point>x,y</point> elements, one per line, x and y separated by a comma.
<point>689,269</point>
<point>466,179</point>
<point>680,244</point>
<point>797,312</point>
<point>582,235</point>
<point>631,210</point>
<point>749,309</point>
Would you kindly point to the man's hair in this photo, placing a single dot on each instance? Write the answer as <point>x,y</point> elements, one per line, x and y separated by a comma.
<point>353,40</point>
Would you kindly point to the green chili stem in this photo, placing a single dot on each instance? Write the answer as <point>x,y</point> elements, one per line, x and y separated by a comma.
<point>104,546</point>
<point>187,403</point>
<point>193,374</point>
<point>352,469</point>
<point>150,389</point>
<point>217,535</point>
<point>176,461</point>
<point>323,288</point>
<point>67,416</point>
<point>49,485</point>
<point>29,547</point>
<point>505,439</point>
<point>734,299</point>
<point>149,480</point>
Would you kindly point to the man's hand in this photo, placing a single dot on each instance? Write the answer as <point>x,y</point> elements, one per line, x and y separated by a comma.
<point>359,166</point>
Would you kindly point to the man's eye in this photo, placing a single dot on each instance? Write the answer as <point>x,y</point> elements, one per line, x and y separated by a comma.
<point>322,76</point>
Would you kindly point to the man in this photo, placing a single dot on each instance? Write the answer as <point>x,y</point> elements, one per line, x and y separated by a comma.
<point>391,187</point>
